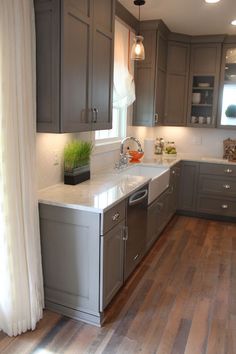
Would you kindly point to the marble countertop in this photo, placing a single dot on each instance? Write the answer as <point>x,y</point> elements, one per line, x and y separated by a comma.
<point>107,188</point>
<point>98,194</point>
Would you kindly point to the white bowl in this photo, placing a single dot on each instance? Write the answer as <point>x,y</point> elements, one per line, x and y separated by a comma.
<point>203,84</point>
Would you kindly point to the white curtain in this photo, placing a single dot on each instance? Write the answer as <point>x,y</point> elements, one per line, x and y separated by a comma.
<point>21,285</point>
<point>124,88</point>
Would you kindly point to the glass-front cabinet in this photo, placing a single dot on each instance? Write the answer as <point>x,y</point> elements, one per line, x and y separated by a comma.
<point>227,97</point>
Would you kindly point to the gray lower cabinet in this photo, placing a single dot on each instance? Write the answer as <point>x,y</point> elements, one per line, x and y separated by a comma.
<point>217,190</point>
<point>83,259</point>
<point>74,53</point>
<point>71,255</point>
<point>112,263</point>
<point>207,189</point>
<point>188,185</point>
<point>174,188</point>
<point>158,216</point>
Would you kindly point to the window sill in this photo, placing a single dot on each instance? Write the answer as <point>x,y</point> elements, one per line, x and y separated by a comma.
<point>106,147</point>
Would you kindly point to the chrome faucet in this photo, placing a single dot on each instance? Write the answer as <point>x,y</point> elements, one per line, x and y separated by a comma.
<point>124,159</point>
<point>130,138</point>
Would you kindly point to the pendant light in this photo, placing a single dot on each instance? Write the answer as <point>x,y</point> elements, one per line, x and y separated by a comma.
<point>137,51</point>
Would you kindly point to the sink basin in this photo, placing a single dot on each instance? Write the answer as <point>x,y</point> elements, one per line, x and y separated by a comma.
<point>159,178</point>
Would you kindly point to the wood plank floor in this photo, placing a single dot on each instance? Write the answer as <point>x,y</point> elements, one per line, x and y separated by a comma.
<point>181,300</point>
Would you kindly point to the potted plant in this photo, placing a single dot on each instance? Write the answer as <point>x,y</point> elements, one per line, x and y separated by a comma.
<point>77,161</point>
<point>231,111</point>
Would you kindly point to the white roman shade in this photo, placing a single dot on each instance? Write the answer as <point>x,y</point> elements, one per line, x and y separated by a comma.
<point>124,88</point>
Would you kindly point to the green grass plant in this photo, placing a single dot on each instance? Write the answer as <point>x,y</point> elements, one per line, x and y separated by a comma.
<point>76,154</point>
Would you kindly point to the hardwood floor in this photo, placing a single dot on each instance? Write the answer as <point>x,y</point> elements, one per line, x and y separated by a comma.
<point>181,300</point>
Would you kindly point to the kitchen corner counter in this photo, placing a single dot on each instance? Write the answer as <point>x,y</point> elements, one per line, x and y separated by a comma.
<point>172,160</point>
<point>96,195</point>
<point>107,188</point>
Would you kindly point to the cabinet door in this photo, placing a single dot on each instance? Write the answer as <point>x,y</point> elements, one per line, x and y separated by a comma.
<point>112,263</point>
<point>161,78</point>
<point>103,57</point>
<point>174,189</point>
<point>70,253</point>
<point>144,108</point>
<point>158,216</point>
<point>76,66</point>
<point>188,186</point>
<point>204,70</point>
<point>177,84</point>
<point>47,17</point>
<point>205,59</point>
<point>135,243</point>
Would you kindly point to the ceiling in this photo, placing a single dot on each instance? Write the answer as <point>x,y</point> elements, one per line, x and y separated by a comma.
<point>193,17</point>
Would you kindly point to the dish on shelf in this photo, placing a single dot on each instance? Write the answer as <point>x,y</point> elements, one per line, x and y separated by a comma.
<point>203,84</point>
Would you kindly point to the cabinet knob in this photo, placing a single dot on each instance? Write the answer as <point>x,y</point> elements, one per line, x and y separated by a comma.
<point>173,172</point>
<point>228,170</point>
<point>224,206</point>
<point>226,186</point>
<point>116,216</point>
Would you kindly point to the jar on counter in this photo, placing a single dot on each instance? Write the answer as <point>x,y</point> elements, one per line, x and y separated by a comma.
<point>159,146</point>
<point>170,148</point>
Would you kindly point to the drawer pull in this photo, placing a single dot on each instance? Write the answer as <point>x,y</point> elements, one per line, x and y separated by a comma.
<point>136,257</point>
<point>224,206</point>
<point>228,170</point>
<point>116,216</point>
<point>226,186</point>
<point>125,233</point>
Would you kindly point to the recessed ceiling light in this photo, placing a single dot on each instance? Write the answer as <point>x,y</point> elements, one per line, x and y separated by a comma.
<point>211,1</point>
<point>233,22</point>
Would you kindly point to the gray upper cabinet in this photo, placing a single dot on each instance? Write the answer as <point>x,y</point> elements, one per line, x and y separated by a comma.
<point>205,58</point>
<point>177,83</point>
<point>204,84</point>
<point>150,76</point>
<point>74,65</point>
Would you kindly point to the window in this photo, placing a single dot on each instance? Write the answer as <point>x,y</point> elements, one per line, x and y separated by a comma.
<point>123,88</point>
<point>118,131</point>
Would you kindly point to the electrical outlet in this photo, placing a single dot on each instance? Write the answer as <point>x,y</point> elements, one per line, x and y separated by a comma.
<point>197,140</point>
<point>55,158</point>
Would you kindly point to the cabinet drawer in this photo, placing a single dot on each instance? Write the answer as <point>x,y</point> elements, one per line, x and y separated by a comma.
<point>218,169</point>
<point>216,205</point>
<point>217,185</point>
<point>112,217</point>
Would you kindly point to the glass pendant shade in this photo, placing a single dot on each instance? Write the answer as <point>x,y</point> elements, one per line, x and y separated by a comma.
<point>137,51</point>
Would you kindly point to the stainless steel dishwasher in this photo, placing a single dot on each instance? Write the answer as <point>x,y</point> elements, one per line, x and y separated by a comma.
<point>136,229</point>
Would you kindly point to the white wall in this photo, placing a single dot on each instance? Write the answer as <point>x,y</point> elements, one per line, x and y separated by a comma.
<point>205,142</point>
<point>50,156</point>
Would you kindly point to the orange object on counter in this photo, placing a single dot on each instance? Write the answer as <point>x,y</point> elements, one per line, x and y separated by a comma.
<point>135,156</point>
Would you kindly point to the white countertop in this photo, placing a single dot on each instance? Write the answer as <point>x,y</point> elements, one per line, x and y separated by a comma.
<point>98,194</point>
<point>108,188</point>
